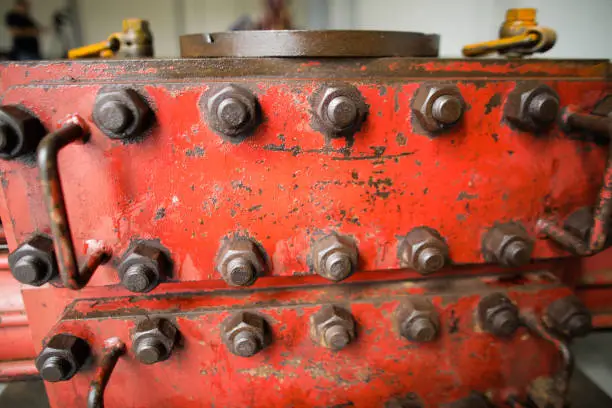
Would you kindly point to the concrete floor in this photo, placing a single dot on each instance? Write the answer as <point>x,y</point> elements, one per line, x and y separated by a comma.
<point>591,384</point>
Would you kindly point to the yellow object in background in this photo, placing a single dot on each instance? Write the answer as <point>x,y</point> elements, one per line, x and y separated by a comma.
<point>519,35</point>
<point>134,41</point>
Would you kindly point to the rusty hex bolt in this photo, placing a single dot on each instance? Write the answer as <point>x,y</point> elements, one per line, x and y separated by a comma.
<point>20,132</point>
<point>332,327</point>
<point>570,317</point>
<point>335,257</point>
<point>233,112</point>
<point>507,244</point>
<point>340,110</point>
<point>143,267</point>
<point>244,334</point>
<point>530,107</point>
<point>62,357</point>
<point>34,262</point>
<point>498,315</point>
<point>240,262</point>
<point>121,113</point>
<point>424,250</point>
<point>417,320</point>
<point>438,107</point>
<point>153,340</point>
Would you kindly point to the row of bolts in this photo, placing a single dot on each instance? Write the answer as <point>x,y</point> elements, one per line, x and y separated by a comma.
<point>247,333</point>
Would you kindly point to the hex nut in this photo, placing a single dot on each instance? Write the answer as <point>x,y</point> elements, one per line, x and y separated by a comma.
<point>233,112</point>
<point>153,340</point>
<point>20,132</point>
<point>438,107</point>
<point>569,317</point>
<point>143,267</point>
<point>417,320</point>
<point>507,244</point>
<point>424,250</point>
<point>332,327</point>
<point>245,334</point>
<point>121,113</point>
<point>532,107</point>
<point>498,315</point>
<point>335,256</point>
<point>34,262</point>
<point>340,110</point>
<point>240,262</point>
<point>62,357</point>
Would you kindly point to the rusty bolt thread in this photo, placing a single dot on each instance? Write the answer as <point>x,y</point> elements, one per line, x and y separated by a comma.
<point>115,116</point>
<point>498,315</point>
<point>543,108</point>
<point>569,317</point>
<point>447,109</point>
<point>140,278</point>
<point>337,266</point>
<point>151,350</point>
<point>29,270</point>
<point>420,329</point>
<point>246,344</point>
<point>240,272</point>
<point>517,253</point>
<point>233,113</point>
<point>337,337</point>
<point>430,260</point>
<point>55,368</point>
<point>504,323</point>
<point>342,113</point>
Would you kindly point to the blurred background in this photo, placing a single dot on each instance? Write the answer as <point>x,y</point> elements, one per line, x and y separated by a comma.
<point>582,26</point>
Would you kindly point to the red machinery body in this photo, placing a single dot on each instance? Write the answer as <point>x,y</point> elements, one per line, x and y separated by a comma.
<point>287,185</point>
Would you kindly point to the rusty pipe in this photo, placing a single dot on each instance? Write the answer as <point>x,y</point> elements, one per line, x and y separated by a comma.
<point>113,349</point>
<point>18,370</point>
<point>603,209</point>
<point>563,376</point>
<point>48,164</point>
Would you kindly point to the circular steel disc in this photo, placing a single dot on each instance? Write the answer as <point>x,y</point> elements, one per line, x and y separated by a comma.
<point>310,44</point>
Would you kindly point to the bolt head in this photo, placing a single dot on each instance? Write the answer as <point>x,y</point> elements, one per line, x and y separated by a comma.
<point>569,317</point>
<point>335,256</point>
<point>340,110</point>
<point>424,250</point>
<point>153,340</point>
<point>233,112</point>
<point>532,107</point>
<point>240,261</point>
<point>115,116</point>
<point>498,315</point>
<point>244,333</point>
<point>62,356</point>
<point>21,132</point>
<point>34,262</point>
<point>143,267</point>
<point>417,320</point>
<point>332,327</point>
<point>437,107</point>
<point>507,244</point>
<point>121,113</point>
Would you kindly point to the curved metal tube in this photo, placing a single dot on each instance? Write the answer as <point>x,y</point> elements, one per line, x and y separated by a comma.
<point>563,376</point>
<point>113,349</point>
<point>47,158</point>
<point>603,209</point>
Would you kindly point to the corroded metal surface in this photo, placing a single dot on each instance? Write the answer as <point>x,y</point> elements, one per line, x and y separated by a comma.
<point>310,44</point>
<point>376,366</point>
<point>183,186</point>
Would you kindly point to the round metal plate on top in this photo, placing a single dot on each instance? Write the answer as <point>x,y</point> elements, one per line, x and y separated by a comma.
<point>327,43</point>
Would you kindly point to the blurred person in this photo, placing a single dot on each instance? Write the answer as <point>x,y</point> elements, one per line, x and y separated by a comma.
<point>24,30</point>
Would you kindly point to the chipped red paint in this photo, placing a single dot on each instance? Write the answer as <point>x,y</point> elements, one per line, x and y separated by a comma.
<point>285,186</point>
<point>293,370</point>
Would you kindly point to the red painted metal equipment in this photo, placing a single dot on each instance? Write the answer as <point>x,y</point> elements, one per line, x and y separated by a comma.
<point>386,231</point>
